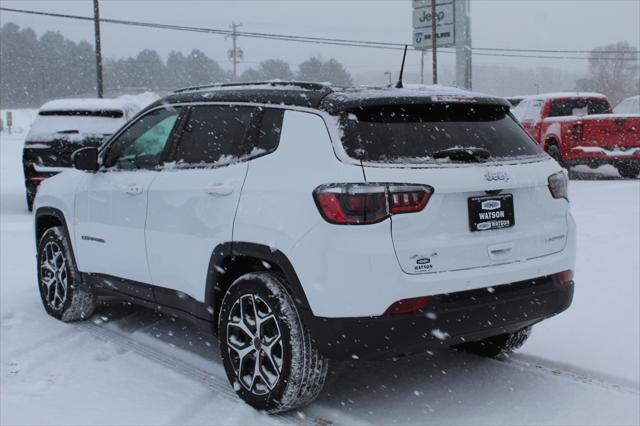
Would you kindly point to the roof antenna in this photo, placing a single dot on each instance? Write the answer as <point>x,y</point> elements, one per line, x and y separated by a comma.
<point>399,83</point>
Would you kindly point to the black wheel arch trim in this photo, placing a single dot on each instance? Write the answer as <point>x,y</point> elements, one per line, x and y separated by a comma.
<point>228,251</point>
<point>59,215</point>
<point>56,213</point>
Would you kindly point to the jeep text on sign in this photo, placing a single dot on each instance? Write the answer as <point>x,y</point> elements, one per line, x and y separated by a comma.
<point>422,24</point>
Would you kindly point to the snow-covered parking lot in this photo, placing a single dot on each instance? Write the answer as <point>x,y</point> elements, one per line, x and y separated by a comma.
<point>128,365</point>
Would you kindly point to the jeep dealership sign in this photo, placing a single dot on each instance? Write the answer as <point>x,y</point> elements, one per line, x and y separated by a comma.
<point>445,27</point>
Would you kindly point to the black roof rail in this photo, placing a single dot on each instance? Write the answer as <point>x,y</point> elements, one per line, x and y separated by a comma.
<point>299,84</point>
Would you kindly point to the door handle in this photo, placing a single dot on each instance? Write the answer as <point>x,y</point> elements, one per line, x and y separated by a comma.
<point>220,189</point>
<point>134,189</point>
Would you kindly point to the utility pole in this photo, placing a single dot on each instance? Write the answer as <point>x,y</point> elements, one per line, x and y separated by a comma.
<point>388,74</point>
<point>422,66</point>
<point>434,42</point>
<point>96,22</point>
<point>235,54</point>
<point>463,43</point>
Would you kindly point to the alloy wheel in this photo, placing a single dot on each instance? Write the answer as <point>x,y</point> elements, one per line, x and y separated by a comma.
<point>54,275</point>
<point>254,343</point>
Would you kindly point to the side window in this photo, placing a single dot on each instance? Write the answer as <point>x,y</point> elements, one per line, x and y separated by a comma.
<point>142,144</point>
<point>219,135</point>
<point>533,112</point>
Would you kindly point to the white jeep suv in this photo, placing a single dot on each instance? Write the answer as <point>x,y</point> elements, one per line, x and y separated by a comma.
<point>302,223</point>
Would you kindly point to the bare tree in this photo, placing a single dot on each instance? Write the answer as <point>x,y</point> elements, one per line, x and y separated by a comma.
<point>614,70</point>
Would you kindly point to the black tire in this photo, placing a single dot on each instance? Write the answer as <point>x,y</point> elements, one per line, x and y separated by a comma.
<point>554,152</point>
<point>303,369</point>
<point>499,346</point>
<point>628,171</point>
<point>63,294</point>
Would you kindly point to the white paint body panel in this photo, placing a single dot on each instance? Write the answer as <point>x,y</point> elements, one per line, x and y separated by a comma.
<point>352,271</point>
<point>190,212</point>
<point>441,232</point>
<point>112,206</point>
<point>277,207</point>
<point>345,271</point>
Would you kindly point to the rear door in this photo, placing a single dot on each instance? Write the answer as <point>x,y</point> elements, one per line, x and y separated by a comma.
<point>193,204</point>
<point>111,205</point>
<point>480,213</point>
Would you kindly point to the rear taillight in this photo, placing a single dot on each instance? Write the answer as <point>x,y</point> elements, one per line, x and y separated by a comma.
<point>577,131</point>
<point>406,306</point>
<point>559,185</point>
<point>363,203</point>
<point>565,277</point>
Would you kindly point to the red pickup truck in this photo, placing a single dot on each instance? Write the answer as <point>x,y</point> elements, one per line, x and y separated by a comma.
<point>579,128</point>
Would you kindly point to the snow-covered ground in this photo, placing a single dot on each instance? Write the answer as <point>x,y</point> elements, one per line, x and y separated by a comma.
<point>128,365</point>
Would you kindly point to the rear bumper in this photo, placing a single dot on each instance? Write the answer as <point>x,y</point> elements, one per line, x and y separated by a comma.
<point>447,319</point>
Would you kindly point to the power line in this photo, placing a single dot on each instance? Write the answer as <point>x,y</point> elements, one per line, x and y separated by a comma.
<point>477,51</point>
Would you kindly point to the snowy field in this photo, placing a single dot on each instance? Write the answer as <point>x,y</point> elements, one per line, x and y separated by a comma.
<point>128,365</point>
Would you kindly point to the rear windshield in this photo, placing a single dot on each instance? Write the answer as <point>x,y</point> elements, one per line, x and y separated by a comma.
<point>566,107</point>
<point>413,133</point>
<point>110,113</point>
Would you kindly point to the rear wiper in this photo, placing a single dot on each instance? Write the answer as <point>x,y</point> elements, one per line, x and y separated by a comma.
<point>462,154</point>
<point>68,132</point>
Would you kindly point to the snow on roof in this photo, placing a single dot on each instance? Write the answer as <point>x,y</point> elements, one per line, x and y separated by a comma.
<point>407,91</point>
<point>556,95</point>
<point>86,104</point>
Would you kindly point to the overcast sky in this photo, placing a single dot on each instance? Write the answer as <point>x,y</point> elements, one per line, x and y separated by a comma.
<point>533,24</point>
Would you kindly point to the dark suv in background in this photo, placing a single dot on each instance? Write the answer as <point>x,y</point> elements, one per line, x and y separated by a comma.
<point>63,126</point>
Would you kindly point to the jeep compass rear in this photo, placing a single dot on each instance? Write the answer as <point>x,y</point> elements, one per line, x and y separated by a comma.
<point>302,224</point>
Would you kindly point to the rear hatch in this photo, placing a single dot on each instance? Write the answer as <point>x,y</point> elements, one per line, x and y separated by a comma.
<point>491,203</point>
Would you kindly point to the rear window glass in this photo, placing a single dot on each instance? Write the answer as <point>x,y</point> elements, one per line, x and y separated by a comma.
<point>566,107</point>
<point>413,133</point>
<point>109,113</point>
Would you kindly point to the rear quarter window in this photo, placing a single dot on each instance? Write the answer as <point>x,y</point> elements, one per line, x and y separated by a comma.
<point>413,133</point>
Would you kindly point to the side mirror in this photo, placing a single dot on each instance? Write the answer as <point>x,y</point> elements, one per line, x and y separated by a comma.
<point>86,159</point>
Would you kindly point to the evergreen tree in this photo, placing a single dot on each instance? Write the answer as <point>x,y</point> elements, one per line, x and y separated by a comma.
<point>331,71</point>
<point>271,69</point>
